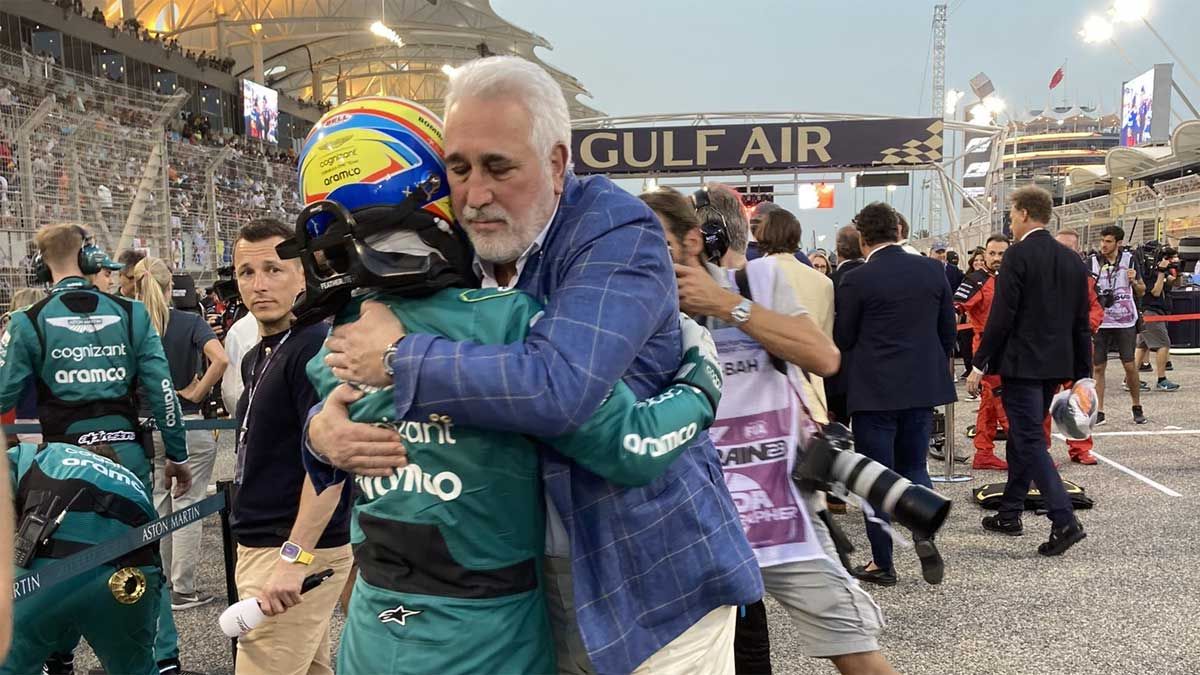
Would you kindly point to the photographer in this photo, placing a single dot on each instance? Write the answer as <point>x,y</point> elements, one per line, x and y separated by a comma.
<point>836,618</point>
<point>1164,275</point>
<point>1118,282</point>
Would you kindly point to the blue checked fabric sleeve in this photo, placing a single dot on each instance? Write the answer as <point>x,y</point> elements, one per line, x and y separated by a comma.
<point>614,293</point>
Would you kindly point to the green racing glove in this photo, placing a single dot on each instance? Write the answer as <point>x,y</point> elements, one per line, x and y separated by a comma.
<point>701,368</point>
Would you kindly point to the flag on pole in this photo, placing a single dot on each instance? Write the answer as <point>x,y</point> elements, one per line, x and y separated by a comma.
<point>1057,78</point>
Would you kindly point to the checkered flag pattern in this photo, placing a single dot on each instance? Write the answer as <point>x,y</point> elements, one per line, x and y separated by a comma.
<point>917,151</point>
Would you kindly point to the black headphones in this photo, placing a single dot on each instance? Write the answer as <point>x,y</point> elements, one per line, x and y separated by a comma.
<point>90,259</point>
<point>713,229</point>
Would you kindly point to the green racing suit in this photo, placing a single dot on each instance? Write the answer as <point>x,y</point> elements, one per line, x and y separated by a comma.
<point>89,352</point>
<point>450,546</point>
<point>115,606</point>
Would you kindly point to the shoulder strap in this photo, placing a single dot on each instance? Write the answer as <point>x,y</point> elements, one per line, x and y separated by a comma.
<point>742,279</point>
<point>33,312</point>
<point>127,306</point>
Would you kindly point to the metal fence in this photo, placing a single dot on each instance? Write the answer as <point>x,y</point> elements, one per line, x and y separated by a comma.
<point>88,150</point>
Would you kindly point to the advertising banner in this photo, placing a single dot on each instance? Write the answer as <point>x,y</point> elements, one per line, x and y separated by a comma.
<point>757,147</point>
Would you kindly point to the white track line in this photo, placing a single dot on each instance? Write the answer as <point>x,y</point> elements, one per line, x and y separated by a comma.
<point>1160,432</point>
<point>1120,467</point>
<point>1154,484</point>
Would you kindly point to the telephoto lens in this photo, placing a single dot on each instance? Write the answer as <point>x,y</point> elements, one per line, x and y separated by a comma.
<point>830,459</point>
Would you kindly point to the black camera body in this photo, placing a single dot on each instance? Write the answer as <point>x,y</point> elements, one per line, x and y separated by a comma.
<point>829,459</point>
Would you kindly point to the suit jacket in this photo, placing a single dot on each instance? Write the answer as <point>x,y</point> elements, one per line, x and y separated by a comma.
<point>954,276</point>
<point>895,319</point>
<point>1038,328</point>
<point>836,384</point>
<point>611,312</point>
<point>844,269</point>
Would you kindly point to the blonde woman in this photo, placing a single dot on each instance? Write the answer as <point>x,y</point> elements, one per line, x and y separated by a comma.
<point>185,337</point>
<point>25,411</point>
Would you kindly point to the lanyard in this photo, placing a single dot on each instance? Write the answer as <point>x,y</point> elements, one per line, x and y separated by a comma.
<point>250,391</point>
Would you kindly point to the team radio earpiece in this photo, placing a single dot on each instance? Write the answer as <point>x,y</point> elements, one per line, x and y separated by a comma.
<point>714,229</point>
<point>91,259</point>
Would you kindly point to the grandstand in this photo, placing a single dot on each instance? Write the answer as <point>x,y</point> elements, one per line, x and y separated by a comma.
<point>136,157</point>
<point>84,149</point>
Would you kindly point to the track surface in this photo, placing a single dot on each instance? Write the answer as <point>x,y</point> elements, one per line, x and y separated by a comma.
<point>1125,600</point>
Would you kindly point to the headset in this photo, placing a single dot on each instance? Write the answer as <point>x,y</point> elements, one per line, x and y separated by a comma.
<point>713,228</point>
<point>90,259</point>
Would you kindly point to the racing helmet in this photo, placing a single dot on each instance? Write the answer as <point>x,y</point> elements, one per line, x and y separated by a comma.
<point>376,208</point>
<point>1074,409</point>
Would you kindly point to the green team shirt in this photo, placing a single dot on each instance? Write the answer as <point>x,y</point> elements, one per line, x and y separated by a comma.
<point>89,353</point>
<point>482,488</point>
<point>65,469</point>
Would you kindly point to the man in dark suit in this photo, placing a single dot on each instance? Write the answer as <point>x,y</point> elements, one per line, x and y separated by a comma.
<point>895,322</point>
<point>850,255</point>
<point>1037,337</point>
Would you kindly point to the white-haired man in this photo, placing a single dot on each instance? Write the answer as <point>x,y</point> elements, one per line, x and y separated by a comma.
<point>597,259</point>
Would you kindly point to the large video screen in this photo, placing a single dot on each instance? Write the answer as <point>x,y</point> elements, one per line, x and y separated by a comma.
<point>260,110</point>
<point>1145,107</point>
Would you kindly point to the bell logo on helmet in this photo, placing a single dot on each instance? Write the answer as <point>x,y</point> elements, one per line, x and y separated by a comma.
<point>334,120</point>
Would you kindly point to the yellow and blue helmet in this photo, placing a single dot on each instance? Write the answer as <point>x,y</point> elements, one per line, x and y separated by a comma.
<point>376,207</point>
<point>373,152</point>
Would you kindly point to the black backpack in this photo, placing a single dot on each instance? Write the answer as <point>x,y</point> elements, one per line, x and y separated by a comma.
<point>988,496</point>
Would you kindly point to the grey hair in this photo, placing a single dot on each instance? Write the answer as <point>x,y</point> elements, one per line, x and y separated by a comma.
<point>512,76</point>
<point>723,202</point>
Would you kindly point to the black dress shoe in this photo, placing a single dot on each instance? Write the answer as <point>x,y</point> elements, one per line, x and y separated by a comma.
<point>879,577</point>
<point>1012,528</point>
<point>1063,538</point>
<point>933,569</point>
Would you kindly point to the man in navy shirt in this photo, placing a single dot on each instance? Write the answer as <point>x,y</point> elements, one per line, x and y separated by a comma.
<point>278,519</point>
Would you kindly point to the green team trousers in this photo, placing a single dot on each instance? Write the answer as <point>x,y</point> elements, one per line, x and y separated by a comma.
<point>122,636</point>
<point>166,642</point>
<point>400,633</point>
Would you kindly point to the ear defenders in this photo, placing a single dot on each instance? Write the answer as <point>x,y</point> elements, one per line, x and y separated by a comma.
<point>713,229</point>
<point>90,259</point>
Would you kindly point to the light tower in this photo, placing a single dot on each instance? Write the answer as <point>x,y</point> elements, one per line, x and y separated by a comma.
<point>939,106</point>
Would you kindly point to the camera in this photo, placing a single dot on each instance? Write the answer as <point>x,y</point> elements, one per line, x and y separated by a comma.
<point>829,459</point>
<point>226,289</point>
<point>1106,297</point>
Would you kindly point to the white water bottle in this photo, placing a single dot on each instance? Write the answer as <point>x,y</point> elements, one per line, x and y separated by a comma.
<point>241,617</point>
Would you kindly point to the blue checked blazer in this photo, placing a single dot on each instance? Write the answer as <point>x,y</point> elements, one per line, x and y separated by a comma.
<point>647,562</point>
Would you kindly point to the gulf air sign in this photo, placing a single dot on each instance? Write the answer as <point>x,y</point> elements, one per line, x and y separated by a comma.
<point>757,147</point>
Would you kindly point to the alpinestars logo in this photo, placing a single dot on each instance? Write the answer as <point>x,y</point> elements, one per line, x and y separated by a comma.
<point>398,615</point>
<point>84,324</point>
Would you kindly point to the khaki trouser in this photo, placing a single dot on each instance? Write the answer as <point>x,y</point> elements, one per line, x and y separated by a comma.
<point>704,649</point>
<point>297,641</point>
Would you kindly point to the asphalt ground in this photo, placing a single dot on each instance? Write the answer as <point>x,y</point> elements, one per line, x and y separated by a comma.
<point>1125,600</point>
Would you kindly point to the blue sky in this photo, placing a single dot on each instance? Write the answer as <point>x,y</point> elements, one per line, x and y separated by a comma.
<point>860,56</point>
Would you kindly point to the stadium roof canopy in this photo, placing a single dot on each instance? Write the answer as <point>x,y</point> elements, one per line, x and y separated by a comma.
<point>1136,163</point>
<point>331,42</point>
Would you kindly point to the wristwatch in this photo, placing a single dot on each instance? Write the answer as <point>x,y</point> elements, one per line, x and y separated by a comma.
<point>291,552</point>
<point>741,313</point>
<point>388,354</point>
